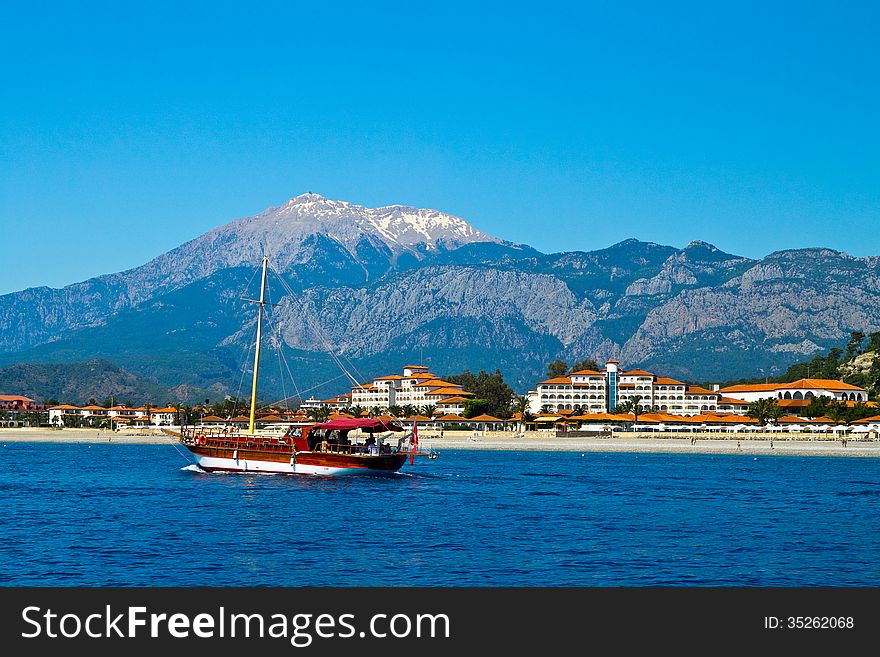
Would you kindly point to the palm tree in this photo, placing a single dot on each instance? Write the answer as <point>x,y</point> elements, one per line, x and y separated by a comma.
<point>521,406</point>
<point>314,414</point>
<point>428,410</point>
<point>396,410</point>
<point>636,406</point>
<point>836,411</point>
<point>764,410</point>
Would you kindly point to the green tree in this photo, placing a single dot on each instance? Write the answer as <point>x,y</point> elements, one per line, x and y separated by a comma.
<point>521,406</point>
<point>873,341</point>
<point>557,368</point>
<point>632,405</point>
<point>816,408</point>
<point>764,410</point>
<point>585,364</point>
<point>475,407</point>
<point>489,387</point>
<point>854,346</point>
<point>836,411</point>
<point>396,411</point>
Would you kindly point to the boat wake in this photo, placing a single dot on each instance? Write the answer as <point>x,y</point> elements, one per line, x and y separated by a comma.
<point>192,467</point>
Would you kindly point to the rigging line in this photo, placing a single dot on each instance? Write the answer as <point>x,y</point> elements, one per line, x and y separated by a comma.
<point>247,287</point>
<point>278,350</point>
<point>283,357</point>
<point>300,393</point>
<point>315,328</point>
<point>173,443</point>
<point>247,352</point>
<point>243,372</point>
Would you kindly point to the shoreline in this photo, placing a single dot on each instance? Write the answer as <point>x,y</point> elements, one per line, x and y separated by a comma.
<point>714,443</point>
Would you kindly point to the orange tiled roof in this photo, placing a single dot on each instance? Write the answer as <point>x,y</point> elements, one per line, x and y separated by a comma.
<point>587,373</point>
<point>15,398</point>
<point>666,381</point>
<point>752,387</point>
<point>731,400</point>
<point>452,417</point>
<point>558,379</point>
<point>699,390</point>
<point>485,418</point>
<point>803,384</point>
<point>636,373</point>
<point>819,384</point>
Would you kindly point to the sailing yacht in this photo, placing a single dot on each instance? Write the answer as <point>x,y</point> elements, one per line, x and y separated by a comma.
<point>340,446</point>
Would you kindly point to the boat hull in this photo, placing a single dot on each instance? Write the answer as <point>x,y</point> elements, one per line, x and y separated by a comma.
<point>313,463</point>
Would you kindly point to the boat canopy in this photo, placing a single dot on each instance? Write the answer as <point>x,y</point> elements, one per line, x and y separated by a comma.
<point>364,423</point>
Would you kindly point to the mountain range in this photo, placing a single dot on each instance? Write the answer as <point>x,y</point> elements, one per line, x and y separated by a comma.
<point>382,287</point>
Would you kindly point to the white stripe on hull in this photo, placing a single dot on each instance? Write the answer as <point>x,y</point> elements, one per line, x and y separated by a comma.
<point>244,465</point>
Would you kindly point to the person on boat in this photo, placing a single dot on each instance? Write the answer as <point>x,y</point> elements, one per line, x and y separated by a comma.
<point>371,445</point>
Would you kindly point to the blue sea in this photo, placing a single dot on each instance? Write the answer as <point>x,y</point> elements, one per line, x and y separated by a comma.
<point>137,515</point>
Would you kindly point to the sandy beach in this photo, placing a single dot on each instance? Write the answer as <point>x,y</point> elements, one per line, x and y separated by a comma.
<point>130,437</point>
<point>541,441</point>
<point>652,443</point>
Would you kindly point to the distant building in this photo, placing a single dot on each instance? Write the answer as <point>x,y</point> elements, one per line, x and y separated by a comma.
<point>794,397</point>
<point>800,390</point>
<point>18,410</point>
<point>68,415</point>
<point>601,392</point>
<point>591,391</point>
<point>415,387</point>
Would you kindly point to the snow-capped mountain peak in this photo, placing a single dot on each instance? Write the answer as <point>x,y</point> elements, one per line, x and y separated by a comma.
<point>400,227</point>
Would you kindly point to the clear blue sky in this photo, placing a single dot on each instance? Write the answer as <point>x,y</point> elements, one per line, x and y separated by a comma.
<point>127,128</point>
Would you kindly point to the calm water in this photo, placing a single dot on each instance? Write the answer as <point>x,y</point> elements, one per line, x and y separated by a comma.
<point>129,515</point>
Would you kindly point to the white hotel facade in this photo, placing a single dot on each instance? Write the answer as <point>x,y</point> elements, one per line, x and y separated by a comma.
<point>64,414</point>
<point>592,391</point>
<point>415,387</point>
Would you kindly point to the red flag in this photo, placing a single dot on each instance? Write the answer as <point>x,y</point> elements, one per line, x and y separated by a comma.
<point>415,442</point>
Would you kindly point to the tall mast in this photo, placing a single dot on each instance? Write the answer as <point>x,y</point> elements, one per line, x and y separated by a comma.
<point>261,302</point>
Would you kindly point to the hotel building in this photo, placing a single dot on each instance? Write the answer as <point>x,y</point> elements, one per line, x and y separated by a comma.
<point>601,392</point>
<point>795,396</point>
<point>17,409</point>
<point>415,387</point>
<point>590,391</point>
<point>66,415</point>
